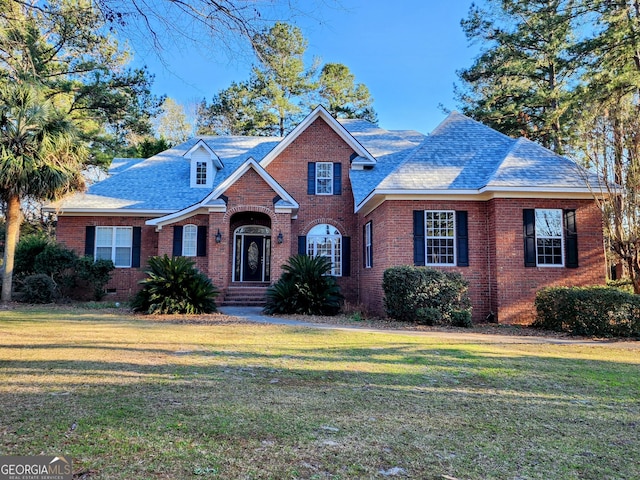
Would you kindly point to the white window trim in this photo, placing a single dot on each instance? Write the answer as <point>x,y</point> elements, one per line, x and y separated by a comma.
<point>194,247</point>
<point>427,237</point>
<point>367,245</point>
<point>113,245</point>
<point>330,178</point>
<point>210,173</point>
<point>336,248</point>
<point>542,237</point>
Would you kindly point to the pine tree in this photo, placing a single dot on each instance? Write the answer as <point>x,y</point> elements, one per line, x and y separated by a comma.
<point>342,96</point>
<point>281,78</point>
<point>521,82</point>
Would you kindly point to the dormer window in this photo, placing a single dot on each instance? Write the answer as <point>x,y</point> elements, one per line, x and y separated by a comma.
<point>201,173</point>
<point>204,165</point>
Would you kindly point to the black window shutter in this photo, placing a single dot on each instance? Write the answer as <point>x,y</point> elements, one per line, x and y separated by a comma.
<point>89,240</point>
<point>337,179</point>
<point>346,256</point>
<point>462,238</point>
<point>136,246</point>
<point>364,245</point>
<point>571,239</point>
<point>202,242</point>
<point>302,245</point>
<point>311,178</point>
<point>529,232</point>
<point>418,237</point>
<point>177,241</point>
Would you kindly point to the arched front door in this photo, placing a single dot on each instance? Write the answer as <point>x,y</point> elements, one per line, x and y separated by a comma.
<point>252,254</point>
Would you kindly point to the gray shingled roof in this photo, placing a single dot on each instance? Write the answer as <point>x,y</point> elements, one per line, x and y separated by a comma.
<point>461,155</point>
<point>162,182</point>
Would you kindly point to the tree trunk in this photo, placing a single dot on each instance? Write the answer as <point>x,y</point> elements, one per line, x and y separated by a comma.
<point>14,218</point>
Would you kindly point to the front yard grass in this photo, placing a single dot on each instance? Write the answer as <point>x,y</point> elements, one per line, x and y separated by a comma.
<point>132,397</point>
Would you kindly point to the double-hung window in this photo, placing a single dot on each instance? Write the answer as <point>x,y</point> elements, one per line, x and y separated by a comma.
<point>189,241</point>
<point>440,237</point>
<point>115,244</point>
<point>325,240</point>
<point>549,239</point>
<point>324,178</point>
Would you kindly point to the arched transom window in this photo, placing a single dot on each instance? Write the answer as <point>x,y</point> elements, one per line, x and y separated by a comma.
<point>325,240</point>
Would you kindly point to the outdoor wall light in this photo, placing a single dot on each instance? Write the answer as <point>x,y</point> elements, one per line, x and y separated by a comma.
<point>280,237</point>
<point>218,236</point>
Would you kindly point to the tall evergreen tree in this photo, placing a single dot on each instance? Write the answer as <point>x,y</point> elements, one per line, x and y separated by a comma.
<point>281,78</point>
<point>609,123</point>
<point>342,96</point>
<point>64,47</point>
<point>521,82</point>
<point>236,110</point>
<point>281,89</point>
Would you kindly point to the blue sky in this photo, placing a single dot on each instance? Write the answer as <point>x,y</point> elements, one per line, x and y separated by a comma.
<point>406,52</point>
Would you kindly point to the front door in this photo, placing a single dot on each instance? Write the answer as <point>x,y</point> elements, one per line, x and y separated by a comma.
<point>253,259</point>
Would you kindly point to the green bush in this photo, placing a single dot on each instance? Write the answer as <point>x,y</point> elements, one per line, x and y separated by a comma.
<point>624,284</point>
<point>175,285</point>
<point>589,311</point>
<point>28,248</point>
<point>94,274</point>
<point>426,296</point>
<point>305,287</point>
<point>74,277</point>
<point>38,288</point>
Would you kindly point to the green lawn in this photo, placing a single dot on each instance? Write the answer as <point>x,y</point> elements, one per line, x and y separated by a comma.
<point>135,398</point>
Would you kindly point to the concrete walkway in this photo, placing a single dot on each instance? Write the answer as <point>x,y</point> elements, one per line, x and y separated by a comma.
<point>254,314</point>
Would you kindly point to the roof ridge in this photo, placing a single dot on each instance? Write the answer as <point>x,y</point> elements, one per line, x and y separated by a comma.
<point>455,113</point>
<point>508,153</point>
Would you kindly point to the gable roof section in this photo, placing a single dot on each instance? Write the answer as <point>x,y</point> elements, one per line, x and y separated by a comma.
<point>320,112</point>
<point>465,157</point>
<point>215,202</point>
<point>202,144</point>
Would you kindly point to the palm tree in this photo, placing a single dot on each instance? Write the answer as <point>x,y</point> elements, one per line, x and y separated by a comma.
<point>39,159</point>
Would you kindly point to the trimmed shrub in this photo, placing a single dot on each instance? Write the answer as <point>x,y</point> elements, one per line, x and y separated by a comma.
<point>305,287</point>
<point>427,296</point>
<point>589,311</point>
<point>38,288</point>
<point>175,286</point>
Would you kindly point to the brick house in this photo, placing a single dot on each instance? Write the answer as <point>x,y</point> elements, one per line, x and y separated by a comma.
<point>508,214</point>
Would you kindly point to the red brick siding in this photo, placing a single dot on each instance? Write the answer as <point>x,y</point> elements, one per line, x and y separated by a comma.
<point>392,224</point>
<point>71,232</point>
<point>499,282</point>
<point>250,193</point>
<point>515,284</point>
<point>165,240</point>
<point>319,143</point>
